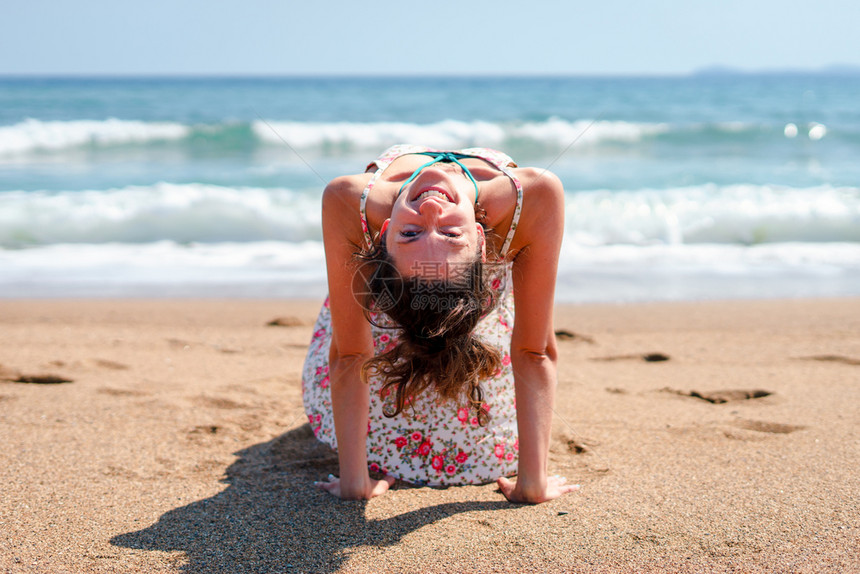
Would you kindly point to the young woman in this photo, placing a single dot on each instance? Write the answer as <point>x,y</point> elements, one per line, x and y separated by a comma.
<point>434,358</point>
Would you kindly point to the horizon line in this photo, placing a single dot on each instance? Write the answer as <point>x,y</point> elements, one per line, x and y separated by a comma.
<point>705,71</point>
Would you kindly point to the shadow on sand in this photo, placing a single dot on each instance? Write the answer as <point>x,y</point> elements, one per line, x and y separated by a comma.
<point>272,519</point>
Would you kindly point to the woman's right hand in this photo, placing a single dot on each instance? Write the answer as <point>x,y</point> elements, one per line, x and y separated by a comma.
<point>370,489</point>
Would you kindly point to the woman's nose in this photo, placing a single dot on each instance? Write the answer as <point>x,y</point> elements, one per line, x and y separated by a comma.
<point>430,207</point>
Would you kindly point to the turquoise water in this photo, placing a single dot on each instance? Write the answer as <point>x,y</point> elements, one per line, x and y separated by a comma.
<point>678,188</point>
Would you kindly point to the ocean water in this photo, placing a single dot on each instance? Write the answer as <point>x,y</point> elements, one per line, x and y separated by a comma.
<point>699,187</point>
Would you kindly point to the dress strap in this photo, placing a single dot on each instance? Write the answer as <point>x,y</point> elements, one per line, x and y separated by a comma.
<point>362,206</point>
<point>515,220</point>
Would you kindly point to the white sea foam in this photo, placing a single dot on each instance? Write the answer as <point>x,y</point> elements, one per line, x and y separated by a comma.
<point>733,215</point>
<point>822,259</point>
<point>182,213</point>
<point>195,239</point>
<point>445,134</point>
<point>165,268</point>
<point>31,135</point>
<point>584,132</point>
<point>451,133</point>
<point>39,136</point>
<point>707,271</point>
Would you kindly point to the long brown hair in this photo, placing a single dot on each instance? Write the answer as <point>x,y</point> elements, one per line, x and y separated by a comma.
<point>436,319</point>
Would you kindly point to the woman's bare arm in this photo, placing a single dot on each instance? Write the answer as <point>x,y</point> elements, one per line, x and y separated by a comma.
<point>533,345</point>
<point>351,344</point>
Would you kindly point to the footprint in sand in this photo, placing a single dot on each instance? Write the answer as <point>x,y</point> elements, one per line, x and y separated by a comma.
<point>179,344</point>
<point>299,449</point>
<point>205,429</point>
<point>565,335</point>
<point>43,379</point>
<point>14,376</point>
<point>121,392</point>
<point>648,358</point>
<point>762,426</point>
<point>219,403</point>
<point>833,359</point>
<point>576,447</point>
<point>288,322</point>
<point>207,434</point>
<point>720,397</point>
<point>566,444</point>
<point>106,364</point>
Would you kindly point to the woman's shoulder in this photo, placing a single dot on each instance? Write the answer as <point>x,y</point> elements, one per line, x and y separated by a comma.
<point>345,191</point>
<point>341,207</point>
<point>538,180</point>
<point>542,203</point>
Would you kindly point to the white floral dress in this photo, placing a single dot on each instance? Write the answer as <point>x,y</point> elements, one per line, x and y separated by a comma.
<point>437,442</point>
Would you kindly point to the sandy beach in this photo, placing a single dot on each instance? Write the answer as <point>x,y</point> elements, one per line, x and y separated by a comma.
<point>707,437</point>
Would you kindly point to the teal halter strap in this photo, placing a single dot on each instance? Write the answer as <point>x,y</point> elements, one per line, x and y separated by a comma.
<point>442,156</point>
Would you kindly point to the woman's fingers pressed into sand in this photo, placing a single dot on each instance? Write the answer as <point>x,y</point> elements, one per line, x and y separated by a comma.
<point>372,489</point>
<point>555,487</point>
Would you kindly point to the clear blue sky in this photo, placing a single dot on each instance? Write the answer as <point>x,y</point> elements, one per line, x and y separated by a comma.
<point>466,37</point>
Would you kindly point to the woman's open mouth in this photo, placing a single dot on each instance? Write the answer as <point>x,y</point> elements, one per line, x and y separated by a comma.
<point>433,192</point>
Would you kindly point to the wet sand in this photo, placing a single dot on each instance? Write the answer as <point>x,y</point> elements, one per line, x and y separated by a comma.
<point>707,437</point>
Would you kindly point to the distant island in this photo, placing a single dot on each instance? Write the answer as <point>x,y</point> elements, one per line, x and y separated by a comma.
<point>831,70</point>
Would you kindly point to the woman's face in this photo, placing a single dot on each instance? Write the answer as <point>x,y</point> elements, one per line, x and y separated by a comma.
<point>432,229</point>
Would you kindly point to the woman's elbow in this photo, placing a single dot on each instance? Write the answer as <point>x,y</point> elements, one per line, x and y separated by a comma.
<point>535,356</point>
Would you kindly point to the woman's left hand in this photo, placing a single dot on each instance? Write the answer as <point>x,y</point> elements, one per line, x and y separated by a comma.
<point>372,488</point>
<point>555,487</point>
